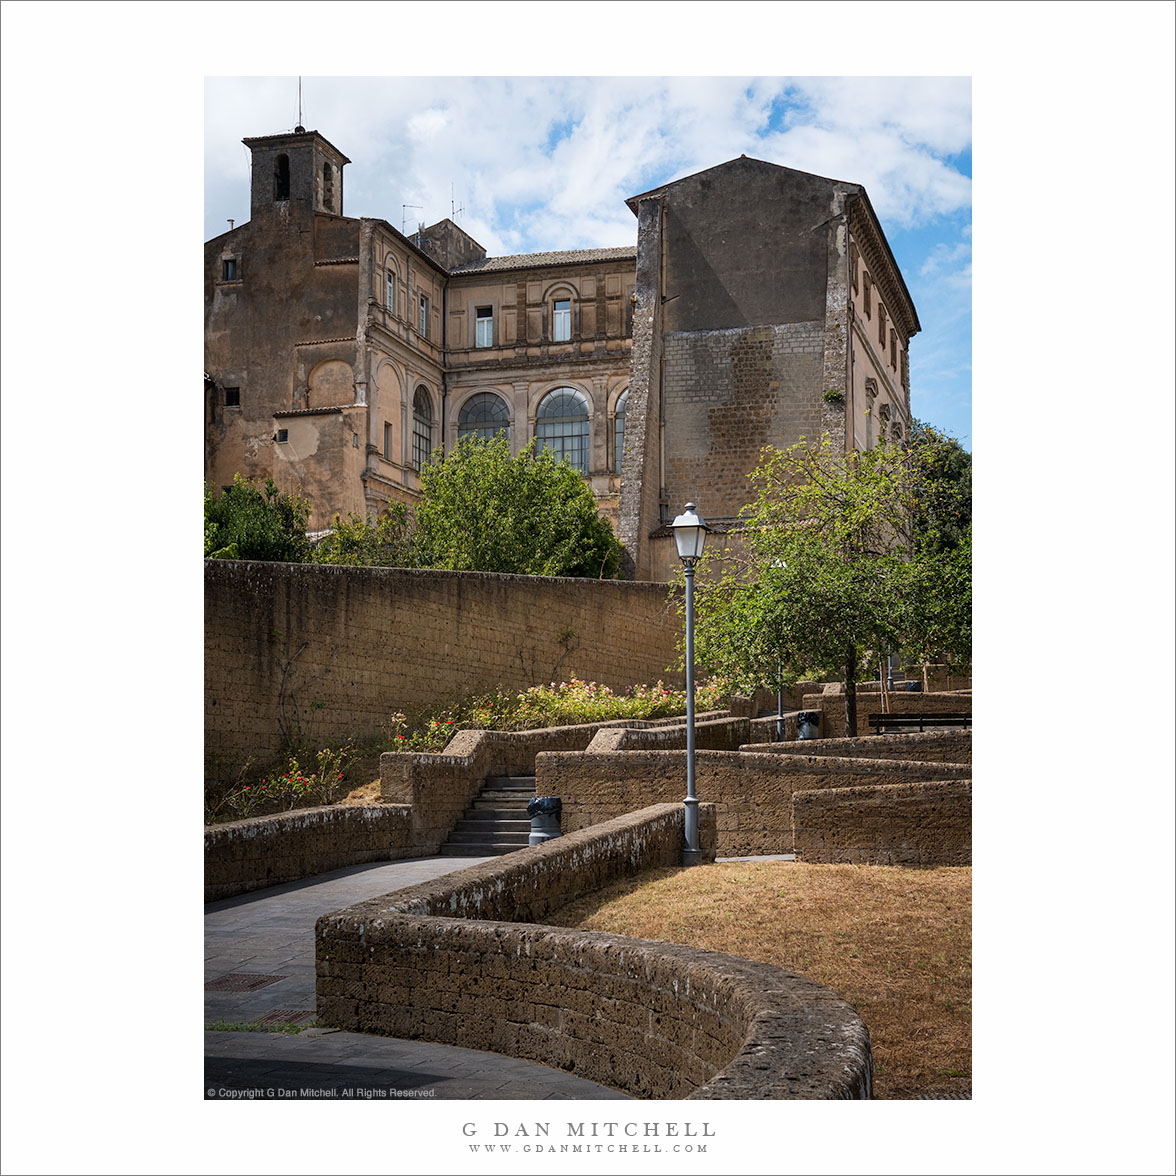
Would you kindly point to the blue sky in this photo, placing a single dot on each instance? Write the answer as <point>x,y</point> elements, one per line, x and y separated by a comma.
<point>540,163</point>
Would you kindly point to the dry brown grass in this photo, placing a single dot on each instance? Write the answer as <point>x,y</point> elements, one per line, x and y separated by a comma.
<point>895,943</point>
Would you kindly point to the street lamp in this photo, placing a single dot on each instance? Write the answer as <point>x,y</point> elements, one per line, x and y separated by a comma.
<point>689,536</point>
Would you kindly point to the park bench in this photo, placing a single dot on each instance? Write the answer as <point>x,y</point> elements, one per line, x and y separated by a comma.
<point>893,722</point>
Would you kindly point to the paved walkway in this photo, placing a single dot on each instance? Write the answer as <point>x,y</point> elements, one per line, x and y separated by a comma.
<point>259,966</point>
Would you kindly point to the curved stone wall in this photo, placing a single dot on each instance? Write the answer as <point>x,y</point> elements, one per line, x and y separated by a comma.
<point>656,1020</point>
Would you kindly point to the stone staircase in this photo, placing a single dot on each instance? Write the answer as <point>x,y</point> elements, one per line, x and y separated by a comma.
<point>496,822</point>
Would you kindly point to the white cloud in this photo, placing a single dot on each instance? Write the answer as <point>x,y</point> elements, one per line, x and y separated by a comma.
<point>541,163</point>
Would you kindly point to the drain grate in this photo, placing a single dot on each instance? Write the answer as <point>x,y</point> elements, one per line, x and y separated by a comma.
<point>284,1016</point>
<point>940,1094</point>
<point>240,982</point>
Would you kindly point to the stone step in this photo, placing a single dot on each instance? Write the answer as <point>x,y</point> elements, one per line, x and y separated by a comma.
<point>479,848</point>
<point>496,804</point>
<point>493,833</point>
<point>510,783</point>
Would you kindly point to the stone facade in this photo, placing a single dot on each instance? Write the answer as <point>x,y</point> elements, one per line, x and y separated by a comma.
<point>760,304</point>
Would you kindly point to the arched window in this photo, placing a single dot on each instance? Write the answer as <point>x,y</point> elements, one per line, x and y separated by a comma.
<point>282,178</point>
<point>619,430</point>
<point>422,428</point>
<point>328,189</point>
<point>485,416</point>
<point>561,425</point>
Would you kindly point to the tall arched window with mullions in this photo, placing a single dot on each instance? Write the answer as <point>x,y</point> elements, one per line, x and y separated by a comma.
<point>484,415</point>
<point>619,430</point>
<point>422,428</point>
<point>561,425</point>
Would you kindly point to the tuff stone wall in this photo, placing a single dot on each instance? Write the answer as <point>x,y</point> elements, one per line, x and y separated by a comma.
<point>720,734</point>
<point>922,824</point>
<point>832,707</point>
<point>656,1020</point>
<point>240,856</point>
<point>752,791</point>
<point>939,746</point>
<point>308,652</point>
<point>439,788</point>
<point>728,393</point>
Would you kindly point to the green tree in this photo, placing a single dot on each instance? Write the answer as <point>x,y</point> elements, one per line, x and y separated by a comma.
<point>826,570</point>
<point>941,470</point>
<point>385,541</point>
<point>252,522</point>
<point>483,510</point>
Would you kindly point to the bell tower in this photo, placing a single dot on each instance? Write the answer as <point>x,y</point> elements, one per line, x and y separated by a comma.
<point>295,175</point>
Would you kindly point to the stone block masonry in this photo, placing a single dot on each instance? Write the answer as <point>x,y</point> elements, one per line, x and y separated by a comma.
<point>301,653</point>
<point>752,790</point>
<point>452,961</point>
<point>832,707</point>
<point>923,824</point>
<point>240,856</point>
<point>728,394</point>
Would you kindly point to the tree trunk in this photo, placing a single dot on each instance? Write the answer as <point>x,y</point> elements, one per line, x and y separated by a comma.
<point>851,691</point>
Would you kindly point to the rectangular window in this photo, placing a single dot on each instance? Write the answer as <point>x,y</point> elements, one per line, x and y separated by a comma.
<point>423,316</point>
<point>881,324</point>
<point>390,292</point>
<point>387,441</point>
<point>853,266</point>
<point>894,350</point>
<point>232,398</point>
<point>283,436</point>
<point>866,292</point>
<point>484,327</point>
<point>561,320</point>
<point>229,269</point>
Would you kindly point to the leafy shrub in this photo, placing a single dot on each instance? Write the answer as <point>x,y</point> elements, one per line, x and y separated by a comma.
<point>554,705</point>
<point>251,522</point>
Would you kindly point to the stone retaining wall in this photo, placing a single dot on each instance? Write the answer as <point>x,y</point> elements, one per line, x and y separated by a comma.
<point>752,790</point>
<point>940,747</point>
<point>712,734</point>
<point>832,708</point>
<point>240,856</point>
<point>924,824</point>
<point>439,788</point>
<point>305,652</point>
<point>656,1020</point>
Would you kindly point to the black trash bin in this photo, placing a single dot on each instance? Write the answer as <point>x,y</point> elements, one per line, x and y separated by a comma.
<point>807,724</point>
<point>545,812</point>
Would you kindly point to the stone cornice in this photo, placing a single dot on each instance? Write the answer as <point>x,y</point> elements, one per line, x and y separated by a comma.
<point>884,272</point>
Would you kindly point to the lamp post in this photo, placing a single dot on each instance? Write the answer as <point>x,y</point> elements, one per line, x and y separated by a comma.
<point>689,536</point>
<point>781,564</point>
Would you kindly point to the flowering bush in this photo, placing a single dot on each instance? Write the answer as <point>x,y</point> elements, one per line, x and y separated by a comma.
<point>556,704</point>
<point>283,791</point>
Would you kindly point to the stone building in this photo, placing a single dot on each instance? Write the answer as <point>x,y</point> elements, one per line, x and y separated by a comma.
<point>760,304</point>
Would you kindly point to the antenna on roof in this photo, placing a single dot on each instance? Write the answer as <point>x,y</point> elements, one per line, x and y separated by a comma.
<point>404,218</point>
<point>453,212</point>
<point>300,129</point>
